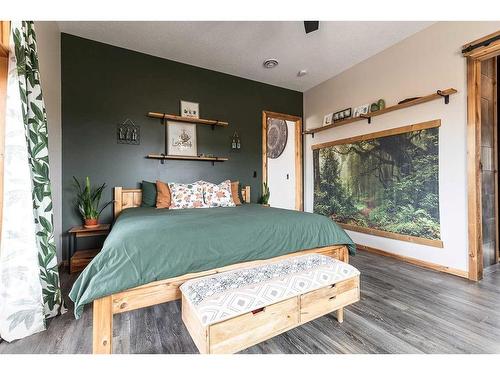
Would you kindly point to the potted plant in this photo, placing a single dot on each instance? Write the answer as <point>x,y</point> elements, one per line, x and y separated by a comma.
<point>88,199</point>
<point>264,199</point>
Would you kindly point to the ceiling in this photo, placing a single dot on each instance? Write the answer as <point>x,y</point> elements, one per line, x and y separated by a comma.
<point>239,48</point>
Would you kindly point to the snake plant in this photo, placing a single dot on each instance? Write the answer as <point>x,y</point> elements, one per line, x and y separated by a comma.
<point>264,199</point>
<point>88,199</point>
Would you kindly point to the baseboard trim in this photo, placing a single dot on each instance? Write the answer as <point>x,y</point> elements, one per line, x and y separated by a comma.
<point>416,262</point>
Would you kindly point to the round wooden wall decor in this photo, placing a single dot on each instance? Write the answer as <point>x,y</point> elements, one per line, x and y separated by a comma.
<point>277,134</point>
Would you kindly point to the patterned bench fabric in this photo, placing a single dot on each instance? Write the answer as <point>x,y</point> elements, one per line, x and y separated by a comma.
<point>225,295</point>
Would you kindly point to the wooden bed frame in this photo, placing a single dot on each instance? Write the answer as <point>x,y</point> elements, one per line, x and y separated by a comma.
<point>167,290</point>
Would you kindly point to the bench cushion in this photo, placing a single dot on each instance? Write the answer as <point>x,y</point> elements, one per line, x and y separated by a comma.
<point>228,294</point>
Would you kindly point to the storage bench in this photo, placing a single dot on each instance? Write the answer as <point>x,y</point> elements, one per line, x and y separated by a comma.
<point>230,311</point>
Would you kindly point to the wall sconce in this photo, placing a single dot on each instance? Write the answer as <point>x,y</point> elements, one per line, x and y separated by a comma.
<point>235,142</point>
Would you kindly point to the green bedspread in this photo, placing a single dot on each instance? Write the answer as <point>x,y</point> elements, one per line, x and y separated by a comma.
<point>147,244</point>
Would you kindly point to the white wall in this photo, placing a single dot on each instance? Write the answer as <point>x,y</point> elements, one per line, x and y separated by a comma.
<point>49,55</point>
<point>418,65</point>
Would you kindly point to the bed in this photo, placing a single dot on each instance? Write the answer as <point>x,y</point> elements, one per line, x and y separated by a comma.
<point>151,252</point>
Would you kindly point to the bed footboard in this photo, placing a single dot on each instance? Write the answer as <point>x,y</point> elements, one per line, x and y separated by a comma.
<point>167,290</point>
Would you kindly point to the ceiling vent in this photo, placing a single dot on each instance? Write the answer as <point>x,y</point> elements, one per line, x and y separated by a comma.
<point>270,63</point>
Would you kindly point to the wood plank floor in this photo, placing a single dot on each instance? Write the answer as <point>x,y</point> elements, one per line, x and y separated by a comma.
<point>403,309</point>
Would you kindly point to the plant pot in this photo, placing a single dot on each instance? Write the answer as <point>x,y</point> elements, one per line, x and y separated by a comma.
<point>90,223</point>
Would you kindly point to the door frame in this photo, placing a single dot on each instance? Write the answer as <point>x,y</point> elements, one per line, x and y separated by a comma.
<point>475,52</point>
<point>4,63</point>
<point>299,198</point>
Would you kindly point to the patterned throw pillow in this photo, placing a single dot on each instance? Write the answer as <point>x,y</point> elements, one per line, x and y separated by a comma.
<point>218,195</point>
<point>186,196</point>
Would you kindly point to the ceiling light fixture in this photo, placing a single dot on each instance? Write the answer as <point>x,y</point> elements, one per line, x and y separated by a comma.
<point>270,63</point>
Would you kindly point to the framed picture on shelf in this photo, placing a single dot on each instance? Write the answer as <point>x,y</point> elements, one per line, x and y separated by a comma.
<point>342,115</point>
<point>181,139</point>
<point>328,119</point>
<point>361,110</point>
<point>190,109</point>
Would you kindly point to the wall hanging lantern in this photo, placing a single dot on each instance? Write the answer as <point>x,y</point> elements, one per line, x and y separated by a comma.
<point>128,133</point>
<point>235,142</point>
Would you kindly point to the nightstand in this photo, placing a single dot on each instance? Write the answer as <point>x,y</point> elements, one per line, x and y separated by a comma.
<point>80,258</point>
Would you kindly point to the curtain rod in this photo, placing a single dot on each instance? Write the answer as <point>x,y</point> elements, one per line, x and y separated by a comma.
<point>481,44</point>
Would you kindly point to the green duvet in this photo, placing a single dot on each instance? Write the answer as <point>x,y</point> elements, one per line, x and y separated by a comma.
<point>147,244</point>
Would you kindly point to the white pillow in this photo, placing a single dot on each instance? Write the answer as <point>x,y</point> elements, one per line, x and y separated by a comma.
<point>186,196</point>
<point>218,195</point>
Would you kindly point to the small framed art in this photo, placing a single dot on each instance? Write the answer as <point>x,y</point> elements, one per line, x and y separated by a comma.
<point>328,119</point>
<point>181,139</point>
<point>342,115</point>
<point>361,110</point>
<point>190,109</point>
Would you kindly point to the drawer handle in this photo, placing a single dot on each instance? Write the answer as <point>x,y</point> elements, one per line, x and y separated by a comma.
<point>332,297</point>
<point>256,311</point>
<point>333,285</point>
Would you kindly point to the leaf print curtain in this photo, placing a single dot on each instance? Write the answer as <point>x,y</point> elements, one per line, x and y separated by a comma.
<point>29,277</point>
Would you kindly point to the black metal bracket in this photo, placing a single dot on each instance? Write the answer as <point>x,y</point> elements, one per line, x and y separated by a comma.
<point>445,96</point>
<point>162,161</point>
<point>312,135</point>
<point>213,126</point>
<point>369,118</point>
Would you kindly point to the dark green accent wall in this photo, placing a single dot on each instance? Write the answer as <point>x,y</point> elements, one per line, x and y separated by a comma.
<point>102,85</point>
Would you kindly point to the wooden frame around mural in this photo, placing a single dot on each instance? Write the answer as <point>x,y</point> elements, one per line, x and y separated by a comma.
<point>385,133</point>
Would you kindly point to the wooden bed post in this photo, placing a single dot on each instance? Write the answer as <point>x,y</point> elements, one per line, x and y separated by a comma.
<point>102,340</point>
<point>340,315</point>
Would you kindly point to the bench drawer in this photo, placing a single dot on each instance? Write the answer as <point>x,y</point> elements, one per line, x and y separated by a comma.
<point>325,300</point>
<point>240,332</point>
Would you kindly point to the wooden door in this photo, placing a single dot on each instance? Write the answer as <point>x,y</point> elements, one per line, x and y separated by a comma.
<point>489,173</point>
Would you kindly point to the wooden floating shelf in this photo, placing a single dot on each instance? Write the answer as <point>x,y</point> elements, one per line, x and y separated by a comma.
<point>165,116</point>
<point>180,157</point>
<point>424,99</point>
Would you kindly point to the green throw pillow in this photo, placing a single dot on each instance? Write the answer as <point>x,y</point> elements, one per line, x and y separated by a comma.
<point>148,194</point>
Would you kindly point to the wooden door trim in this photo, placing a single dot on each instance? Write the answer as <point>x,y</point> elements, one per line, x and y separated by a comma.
<point>495,161</point>
<point>4,64</point>
<point>299,183</point>
<point>4,38</point>
<point>474,216</point>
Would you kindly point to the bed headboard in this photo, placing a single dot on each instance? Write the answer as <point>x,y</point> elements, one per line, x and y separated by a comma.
<point>128,198</point>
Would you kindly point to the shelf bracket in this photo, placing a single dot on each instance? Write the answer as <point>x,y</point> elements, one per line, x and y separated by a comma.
<point>312,135</point>
<point>162,161</point>
<point>445,96</point>
<point>213,126</point>
<point>369,118</point>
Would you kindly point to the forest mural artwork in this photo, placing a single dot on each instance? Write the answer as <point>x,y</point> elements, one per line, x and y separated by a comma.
<point>387,183</point>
